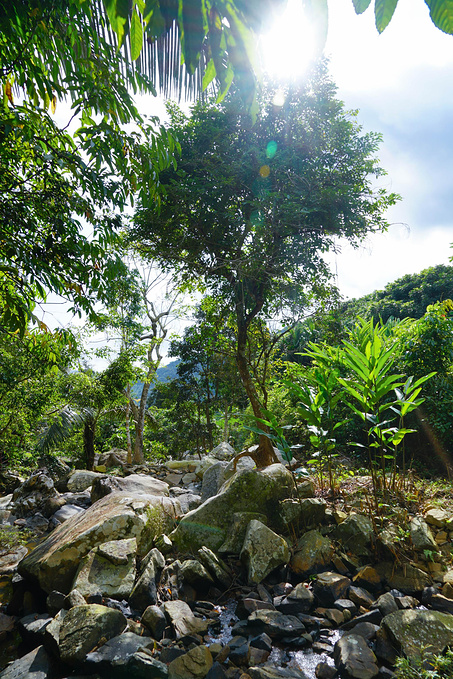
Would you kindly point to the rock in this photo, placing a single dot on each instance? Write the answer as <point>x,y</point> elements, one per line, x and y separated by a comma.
<point>300,600</point>
<point>262,551</point>
<point>10,560</point>
<point>249,490</point>
<point>417,631</point>
<point>114,656</point>
<point>421,535</point>
<point>272,672</point>
<point>154,619</point>
<point>367,577</point>
<point>329,586</point>
<point>355,534</point>
<point>53,467</point>
<point>211,477</point>
<point>183,620</point>
<point>185,500</point>
<point>236,531</point>
<point>143,666</point>
<point>163,544</point>
<point>353,657</point>
<point>84,627</point>
<point>193,572</point>
<point>30,497</point>
<point>312,553</point>
<point>82,499</point>
<point>437,601</point>
<point>275,624</point>
<point>437,517</point>
<point>408,579</point>
<point>34,665</point>
<point>325,671</point>
<point>192,665</point>
<point>108,570</point>
<point>144,593</point>
<point>116,457</point>
<point>364,629</point>
<point>66,512</point>
<point>223,451</point>
<point>81,479</point>
<point>360,596</point>
<point>215,566</point>
<point>346,605</point>
<point>386,604</point>
<point>138,484</point>
<point>54,562</point>
<point>313,512</point>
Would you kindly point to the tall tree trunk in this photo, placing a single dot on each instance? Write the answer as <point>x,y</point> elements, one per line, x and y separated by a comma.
<point>128,425</point>
<point>139,457</point>
<point>89,430</point>
<point>265,454</point>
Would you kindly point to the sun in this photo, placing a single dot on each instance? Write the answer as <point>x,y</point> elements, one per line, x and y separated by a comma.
<point>289,47</point>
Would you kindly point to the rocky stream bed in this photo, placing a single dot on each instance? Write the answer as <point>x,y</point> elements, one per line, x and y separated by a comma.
<point>189,570</point>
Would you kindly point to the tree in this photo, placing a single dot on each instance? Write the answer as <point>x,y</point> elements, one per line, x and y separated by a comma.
<point>250,209</point>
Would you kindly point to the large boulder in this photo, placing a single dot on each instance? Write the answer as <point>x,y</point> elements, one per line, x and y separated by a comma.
<point>355,534</point>
<point>248,490</point>
<point>82,479</point>
<point>312,553</point>
<point>354,658</point>
<point>414,632</point>
<point>30,497</point>
<point>54,562</point>
<point>139,484</point>
<point>84,626</point>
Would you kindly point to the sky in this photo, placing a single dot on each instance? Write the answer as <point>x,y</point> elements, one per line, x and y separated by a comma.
<point>401,82</point>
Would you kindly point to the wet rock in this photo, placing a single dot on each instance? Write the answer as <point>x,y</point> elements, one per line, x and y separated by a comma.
<point>183,620</point>
<point>54,562</point>
<point>355,534</point>
<point>346,605</point>
<point>312,553</point>
<point>329,586</point>
<point>274,624</point>
<point>364,629</point>
<point>142,665</point>
<point>325,671</point>
<point>353,657</point>
<point>138,484</point>
<point>272,672</point>
<point>144,593</point>
<point>421,535</point>
<point>84,627</point>
<point>236,531</point>
<point>108,570</point>
<point>34,665</point>
<point>249,490</point>
<point>373,616</point>
<point>414,631</point>
<point>262,551</point>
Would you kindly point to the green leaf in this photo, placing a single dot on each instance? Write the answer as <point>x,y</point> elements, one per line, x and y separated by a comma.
<point>117,12</point>
<point>441,13</point>
<point>383,12</point>
<point>360,5</point>
<point>136,36</point>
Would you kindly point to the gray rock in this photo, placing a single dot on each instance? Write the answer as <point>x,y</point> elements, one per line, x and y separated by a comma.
<point>10,561</point>
<point>84,626</point>
<point>421,535</point>
<point>192,665</point>
<point>54,562</point>
<point>275,624</point>
<point>312,553</point>
<point>183,620</point>
<point>313,512</point>
<point>223,451</point>
<point>113,657</point>
<point>386,604</point>
<point>329,586</point>
<point>144,593</point>
<point>249,490</point>
<point>81,479</point>
<point>66,512</point>
<point>215,566</point>
<point>139,484</point>
<point>143,666</point>
<point>31,496</point>
<point>193,572</point>
<point>262,551</point>
<point>34,665</point>
<point>408,579</point>
<point>237,530</point>
<point>353,657</point>
<point>154,619</point>
<point>360,596</point>
<point>355,534</point>
<point>108,570</point>
<point>185,501</point>
<point>437,517</point>
<point>210,485</point>
<point>300,600</point>
<point>417,631</point>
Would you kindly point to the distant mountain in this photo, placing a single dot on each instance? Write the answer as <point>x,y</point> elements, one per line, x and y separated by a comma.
<point>165,373</point>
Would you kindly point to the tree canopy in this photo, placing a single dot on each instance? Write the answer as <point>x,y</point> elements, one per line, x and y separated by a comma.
<point>251,208</point>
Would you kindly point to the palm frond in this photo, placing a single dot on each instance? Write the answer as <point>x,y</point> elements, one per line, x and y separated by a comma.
<point>60,429</point>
